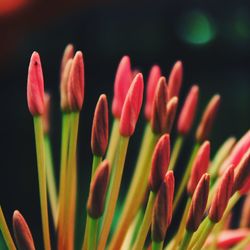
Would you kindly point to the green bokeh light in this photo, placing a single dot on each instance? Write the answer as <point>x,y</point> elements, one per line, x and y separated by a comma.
<point>196,28</point>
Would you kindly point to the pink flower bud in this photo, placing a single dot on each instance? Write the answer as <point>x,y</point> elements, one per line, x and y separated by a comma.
<point>171,113</point>
<point>160,162</point>
<point>98,188</point>
<point>123,81</point>
<point>132,107</point>
<point>67,55</point>
<point>35,86</point>
<point>154,76</point>
<point>76,83</point>
<point>159,108</point>
<point>207,119</point>
<point>175,80</point>
<point>100,130</point>
<point>200,166</point>
<point>23,237</point>
<point>238,151</point>
<point>222,196</point>
<point>188,111</point>
<point>163,208</point>
<point>198,205</point>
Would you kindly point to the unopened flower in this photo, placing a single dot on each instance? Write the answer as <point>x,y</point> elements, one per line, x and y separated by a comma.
<point>160,162</point>
<point>67,55</point>
<point>188,111</point>
<point>154,76</point>
<point>175,80</point>
<point>35,86</point>
<point>132,106</point>
<point>171,113</point>
<point>122,83</point>
<point>99,138</point>
<point>76,83</point>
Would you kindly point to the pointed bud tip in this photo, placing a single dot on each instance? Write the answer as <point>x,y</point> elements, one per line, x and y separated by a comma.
<point>100,130</point>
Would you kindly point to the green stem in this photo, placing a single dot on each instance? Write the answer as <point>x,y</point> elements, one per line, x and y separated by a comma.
<point>96,161</point>
<point>71,179</point>
<point>187,238</point>
<point>40,153</point>
<point>157,245</point>
<point>6,233</point>
<point>142,234</point>
<point>51,182</point>
<point>176,151</point>
<point>184,180</point>
<point>138,218</point>
<point>92,236</point>
<point>114,187</point>
<point>182,225</point>
<point>208,228</point>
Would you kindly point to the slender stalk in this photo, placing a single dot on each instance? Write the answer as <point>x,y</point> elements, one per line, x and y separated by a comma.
<point>243,244</point>
<point>92,236</point>
<point>5,232</point>
<point>157,245</point>
<point>182,225</point>
<point>208,228</point>
<point>176,151</point>
<point>139,182</point>
<point>96,161</point>
<point>186,240</point>
<point>184,180</point>
<point>40,153</point>
<point>71,180</point>
<point>51,182</point>
<point>114,188</point>
<point>142,234</point>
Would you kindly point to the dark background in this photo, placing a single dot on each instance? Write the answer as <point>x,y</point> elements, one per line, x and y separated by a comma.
<point>212,39</point>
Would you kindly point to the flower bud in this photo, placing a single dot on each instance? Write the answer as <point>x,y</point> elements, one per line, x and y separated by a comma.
<point>154,76</point>
<point>198,205</point>
<point>98,188</point>
<point>163,208</point>
<point>23,237</point>
<point>76,83</point>
<point>132,107</point>
<point>171,112</point>
<point>99,138</point>
<point>67,55</point>
<point>160,162</point>
<point>159,108</point>
<point>188,111</point>
<point>123,81</point>
<point>175,80</point>
<point>207,119</point>
<point>200,166</point>
<point>222,195</point>
<point>35,86</point>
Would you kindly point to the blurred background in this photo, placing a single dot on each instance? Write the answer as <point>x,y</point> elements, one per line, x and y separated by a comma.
<point>211,38</point>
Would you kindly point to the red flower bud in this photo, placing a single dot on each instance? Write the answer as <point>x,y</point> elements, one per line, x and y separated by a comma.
<point>171,112</point>
<point>200,166</point>
<point>198,205</point>
<point>222,196</point>
<point>242,172</point>
<point>154,76</point>
<point>35,86</point>
<point>98,188</point>
<point>76,83</point>
<point>99,139</point>
<point>175,80</point>
<point>67,55</point>
<point>163,208</point>
<point>160,162</point>
<point>188,111</point>
<point>46,114</point>
<point>207,119</point>
<point>159,109</point>
<point>132,107</point>
<point>22,232</point>
<point>238,151</point>
<point>123,81</point>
